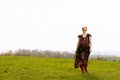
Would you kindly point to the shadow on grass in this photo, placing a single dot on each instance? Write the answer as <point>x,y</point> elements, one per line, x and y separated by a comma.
<point>90,76</point>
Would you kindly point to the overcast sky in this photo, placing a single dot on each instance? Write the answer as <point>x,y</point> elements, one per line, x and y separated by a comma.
<point>55,24</point>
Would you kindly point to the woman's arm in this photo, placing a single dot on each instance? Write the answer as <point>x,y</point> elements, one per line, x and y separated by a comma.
<point>90,44</point>
<point>78,43</point>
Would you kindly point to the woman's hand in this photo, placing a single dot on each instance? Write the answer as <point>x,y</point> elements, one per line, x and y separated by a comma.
<point>90,50</point>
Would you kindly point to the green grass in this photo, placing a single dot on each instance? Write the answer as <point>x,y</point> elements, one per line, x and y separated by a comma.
<point>41,68</point>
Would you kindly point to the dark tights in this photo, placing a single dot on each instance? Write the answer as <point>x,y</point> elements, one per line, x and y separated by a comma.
<point>83,68</point>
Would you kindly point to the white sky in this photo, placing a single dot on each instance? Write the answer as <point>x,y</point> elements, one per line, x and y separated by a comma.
<point>55,24</point>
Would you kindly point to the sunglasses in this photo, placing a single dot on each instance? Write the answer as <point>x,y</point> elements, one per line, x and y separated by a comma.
<point>84,30</point>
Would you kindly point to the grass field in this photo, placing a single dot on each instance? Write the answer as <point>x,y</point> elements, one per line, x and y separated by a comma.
<point>41,68</point>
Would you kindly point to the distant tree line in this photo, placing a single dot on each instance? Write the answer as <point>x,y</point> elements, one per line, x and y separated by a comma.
<point>41,53</point>
<point>55,54</point>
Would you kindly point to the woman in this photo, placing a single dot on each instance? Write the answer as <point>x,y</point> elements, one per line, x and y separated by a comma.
<point>84,47</point>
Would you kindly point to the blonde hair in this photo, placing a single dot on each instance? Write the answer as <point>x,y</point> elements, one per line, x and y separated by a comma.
<point>84,27</point>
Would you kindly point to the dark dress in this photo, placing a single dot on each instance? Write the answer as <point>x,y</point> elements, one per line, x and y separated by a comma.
<point>82,53</point>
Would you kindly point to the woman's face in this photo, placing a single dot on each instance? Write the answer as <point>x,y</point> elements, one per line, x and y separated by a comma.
<point>84,28</point>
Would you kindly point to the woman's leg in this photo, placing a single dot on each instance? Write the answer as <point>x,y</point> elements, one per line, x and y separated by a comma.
<point>86,68</point>
<point>82,69</point>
